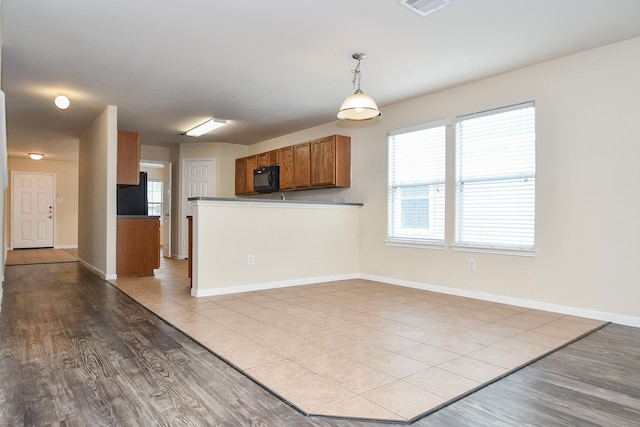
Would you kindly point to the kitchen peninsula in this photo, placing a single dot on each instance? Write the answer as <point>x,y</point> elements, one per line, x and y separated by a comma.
<point>242,245</point>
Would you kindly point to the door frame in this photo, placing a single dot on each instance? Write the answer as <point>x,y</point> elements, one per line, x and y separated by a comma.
<point>183,200</point>
<point>167,205</point>
<point>53,203</point>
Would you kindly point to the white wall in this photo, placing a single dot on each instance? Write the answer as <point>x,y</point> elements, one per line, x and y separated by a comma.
<point>97,194</point>
<point>224,155</point>
<point>65,197</point>
<point>587,204</point>
<point>150,153</point>
<point>3,174</point>
<point>292,243</point>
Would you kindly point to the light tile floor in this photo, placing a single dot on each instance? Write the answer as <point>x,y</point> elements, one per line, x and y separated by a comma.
<point>39,256</point>
<point>357,348</point>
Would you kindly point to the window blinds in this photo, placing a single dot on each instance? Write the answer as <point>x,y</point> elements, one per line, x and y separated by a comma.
<point>416,181</point>
<point>495,178</point>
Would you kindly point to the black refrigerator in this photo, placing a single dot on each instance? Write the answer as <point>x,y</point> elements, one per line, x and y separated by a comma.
<point>132,199</point>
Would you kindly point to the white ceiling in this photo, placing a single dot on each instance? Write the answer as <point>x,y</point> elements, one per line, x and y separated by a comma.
<point>269,67</point>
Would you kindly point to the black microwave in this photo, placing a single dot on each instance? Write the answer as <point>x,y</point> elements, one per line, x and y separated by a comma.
<point>266,180</point>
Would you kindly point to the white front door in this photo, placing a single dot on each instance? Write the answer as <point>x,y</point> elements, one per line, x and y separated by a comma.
<point>198,180</point>
<point>32,210</point>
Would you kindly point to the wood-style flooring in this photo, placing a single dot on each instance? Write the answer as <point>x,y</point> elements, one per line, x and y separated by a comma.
<point>76,351</point>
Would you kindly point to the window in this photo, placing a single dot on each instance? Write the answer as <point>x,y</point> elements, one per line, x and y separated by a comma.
<point>417,184</point>
<point>154,198</point>
<point>495,179</point>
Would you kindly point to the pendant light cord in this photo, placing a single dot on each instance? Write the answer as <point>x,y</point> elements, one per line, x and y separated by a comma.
<point>356,77</point>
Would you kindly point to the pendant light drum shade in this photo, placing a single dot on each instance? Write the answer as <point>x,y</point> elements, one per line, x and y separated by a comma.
<point>358,107</point>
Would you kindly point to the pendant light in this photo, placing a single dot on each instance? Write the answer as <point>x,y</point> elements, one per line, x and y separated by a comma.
<point>358,106</point>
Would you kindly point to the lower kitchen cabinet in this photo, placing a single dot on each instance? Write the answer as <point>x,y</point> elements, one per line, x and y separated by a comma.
<point>137,245</point>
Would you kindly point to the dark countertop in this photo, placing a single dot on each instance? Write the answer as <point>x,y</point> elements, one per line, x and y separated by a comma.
<point>304,202</point>
<point>137,217</point>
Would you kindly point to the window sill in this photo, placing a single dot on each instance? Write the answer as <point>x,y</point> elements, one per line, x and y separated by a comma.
<point>495,250</point>
<point>416,244</point>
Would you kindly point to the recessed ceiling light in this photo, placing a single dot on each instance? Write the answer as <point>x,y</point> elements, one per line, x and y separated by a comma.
<point>36,156</point>
<point>62,102</point>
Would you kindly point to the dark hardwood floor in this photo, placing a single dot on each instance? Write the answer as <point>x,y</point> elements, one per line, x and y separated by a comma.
<point>75,351</point>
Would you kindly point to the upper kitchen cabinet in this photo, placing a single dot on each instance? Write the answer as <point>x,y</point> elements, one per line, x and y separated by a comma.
<point>270,158</point>
<point>244,174</point>
<point>128,158</point>
<point>241,175</point>
<point>322,163</point>
<point>252,164</point>
<point>285,157</point>
<point>301,166</point>
<point>331,161</point>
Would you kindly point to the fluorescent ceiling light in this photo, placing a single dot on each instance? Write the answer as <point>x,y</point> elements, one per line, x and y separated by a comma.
<point>36,156</point>
<point>425,7</point>
<point>205,127</point>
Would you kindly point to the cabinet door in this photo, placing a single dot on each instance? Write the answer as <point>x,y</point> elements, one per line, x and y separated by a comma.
<point>343,161</point>
<point>252,163</point>
<point>270,158</point>
<point>128,169</point>
<point>331,162</point>
<point>301,166</point>
<point>137,246</point>
<point>285,157</point>
<point>241,176</point>
<point>323,162</point>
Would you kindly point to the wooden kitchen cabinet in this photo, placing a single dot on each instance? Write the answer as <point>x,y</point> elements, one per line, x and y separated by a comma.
<point>128,158</point>
<point>330,160</point>
<point>137,246</point>
<point>252,164</point>
<point>241,176</point>
<point>301,166</point>
<point>321,163</point>
<point>270,158</point>
<point>285,158</point>
<point>244,175</point>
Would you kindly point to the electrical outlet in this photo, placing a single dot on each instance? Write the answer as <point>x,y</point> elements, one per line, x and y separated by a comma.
<point>472,264</point>
<point>251,260</point>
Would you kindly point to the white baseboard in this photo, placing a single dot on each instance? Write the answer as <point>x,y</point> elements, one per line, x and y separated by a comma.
<point>97,271</point>
<point>270,285</point>
<point>519,302</point>
<point>66,247</point>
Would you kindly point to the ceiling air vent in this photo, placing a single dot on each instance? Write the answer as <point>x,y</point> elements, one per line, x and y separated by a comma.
<point>425,7</point>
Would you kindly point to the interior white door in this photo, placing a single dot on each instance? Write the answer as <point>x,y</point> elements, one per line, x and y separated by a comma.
<point>32,210</point>
<point>166,207</point>
<point>198,181</point>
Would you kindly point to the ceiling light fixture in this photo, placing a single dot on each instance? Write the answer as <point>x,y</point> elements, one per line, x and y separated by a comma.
<point>205,127</point>
<point>425,7</point>
<point>358,106</point>
<point>36,156</point>
<point>62,102</point>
